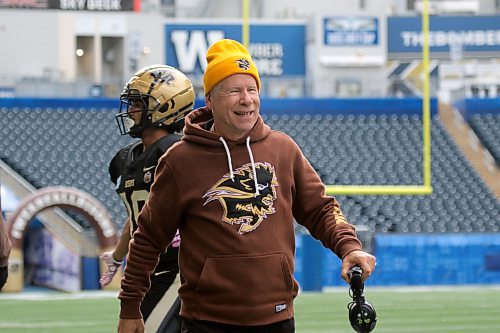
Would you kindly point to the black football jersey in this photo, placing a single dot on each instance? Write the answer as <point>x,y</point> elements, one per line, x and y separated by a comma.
<point>132,171</point>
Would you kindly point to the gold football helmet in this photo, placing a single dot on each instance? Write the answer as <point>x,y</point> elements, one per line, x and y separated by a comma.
<point>156,96</point>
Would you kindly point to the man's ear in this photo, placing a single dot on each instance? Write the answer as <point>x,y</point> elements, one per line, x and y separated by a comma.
<point>208,101</point>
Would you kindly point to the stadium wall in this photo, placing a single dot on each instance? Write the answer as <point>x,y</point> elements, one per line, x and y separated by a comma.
<point>374,106</point>
<point>403,260</point>
<point>471,106</point>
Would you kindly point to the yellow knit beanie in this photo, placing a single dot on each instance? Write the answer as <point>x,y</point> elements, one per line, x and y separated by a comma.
<point>227,57</point>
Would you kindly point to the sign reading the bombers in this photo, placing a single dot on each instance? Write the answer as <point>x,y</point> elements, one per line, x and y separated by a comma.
<point>473,35</point>
<point>277,50</point>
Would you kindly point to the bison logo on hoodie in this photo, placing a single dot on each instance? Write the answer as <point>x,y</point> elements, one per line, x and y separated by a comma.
<point>241,203</point>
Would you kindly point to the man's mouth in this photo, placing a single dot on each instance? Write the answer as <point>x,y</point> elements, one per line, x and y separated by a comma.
<point>244,114</point>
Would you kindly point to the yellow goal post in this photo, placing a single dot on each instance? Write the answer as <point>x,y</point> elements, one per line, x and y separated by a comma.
<point>424,189</point>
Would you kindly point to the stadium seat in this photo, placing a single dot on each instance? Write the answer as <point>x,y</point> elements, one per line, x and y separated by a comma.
<point>73,147</point>
<point>387,150</point>
<point>70,147</point>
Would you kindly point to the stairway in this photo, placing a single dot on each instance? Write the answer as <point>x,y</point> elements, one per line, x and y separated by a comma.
<point>471,146</point>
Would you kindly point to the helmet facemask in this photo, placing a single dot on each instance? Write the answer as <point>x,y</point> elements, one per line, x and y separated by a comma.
<point>135,112</point>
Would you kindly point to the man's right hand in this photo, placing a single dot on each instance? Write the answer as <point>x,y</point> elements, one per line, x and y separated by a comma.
<point>112,267</point>
<point>130,326</point>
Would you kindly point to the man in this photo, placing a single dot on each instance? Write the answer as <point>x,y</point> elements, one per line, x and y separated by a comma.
<point>232,187</point>
<point>4,250</point>
<point>153,105</point>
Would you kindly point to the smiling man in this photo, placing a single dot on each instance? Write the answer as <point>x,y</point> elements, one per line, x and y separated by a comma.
<point>233,187</point>
<point>232,85</point>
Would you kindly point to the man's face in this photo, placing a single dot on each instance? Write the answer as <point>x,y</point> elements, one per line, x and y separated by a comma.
<point>235,103</point>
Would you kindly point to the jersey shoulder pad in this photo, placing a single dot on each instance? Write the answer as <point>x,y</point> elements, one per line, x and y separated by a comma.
<point>120,161</point>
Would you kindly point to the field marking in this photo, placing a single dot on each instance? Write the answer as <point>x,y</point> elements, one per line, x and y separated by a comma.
<point>411,289</point>
<point>52,324</point>
<point>98,294</point>
<point>55,295</point>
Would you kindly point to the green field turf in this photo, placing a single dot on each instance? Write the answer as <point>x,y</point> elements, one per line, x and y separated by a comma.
<point>420,310</point>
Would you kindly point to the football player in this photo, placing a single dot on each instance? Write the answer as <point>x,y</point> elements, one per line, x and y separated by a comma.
<point>5,248</point>
<point>153,105</point>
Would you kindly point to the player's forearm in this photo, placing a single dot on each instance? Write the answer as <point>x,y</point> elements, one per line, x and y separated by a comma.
<point>121,248</point>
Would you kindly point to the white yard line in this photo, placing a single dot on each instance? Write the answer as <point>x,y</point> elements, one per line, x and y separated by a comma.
<point>406,289</point>
<point>52,324</point>
<point>54,295</point>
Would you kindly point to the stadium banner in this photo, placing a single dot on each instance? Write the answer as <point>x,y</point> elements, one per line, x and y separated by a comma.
<point>278,50</point>
<point>405,260</point>
<point>447,33</point>
<point>7,92</point>
<point>411,259</point>
<point>78,5</point>
<point>49,263</point>
<point>350,31</point>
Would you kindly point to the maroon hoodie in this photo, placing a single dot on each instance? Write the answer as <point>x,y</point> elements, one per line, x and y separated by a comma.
<point>234,203</point>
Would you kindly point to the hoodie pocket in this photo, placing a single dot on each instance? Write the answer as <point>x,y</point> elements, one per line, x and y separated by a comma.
<point>246,280</point>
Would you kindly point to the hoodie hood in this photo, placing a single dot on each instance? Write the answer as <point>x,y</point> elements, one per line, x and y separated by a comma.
<point>197,131</point>
<point>199,121</point>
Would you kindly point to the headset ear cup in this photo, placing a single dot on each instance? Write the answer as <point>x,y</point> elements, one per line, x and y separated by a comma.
<point>370,316</point>
<point>353,315</point>
<point>363,319</point>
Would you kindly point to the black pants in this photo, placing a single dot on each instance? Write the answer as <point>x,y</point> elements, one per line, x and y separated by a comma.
<point>200,326</point>
<point>4,271</point>
<point>159,285</point>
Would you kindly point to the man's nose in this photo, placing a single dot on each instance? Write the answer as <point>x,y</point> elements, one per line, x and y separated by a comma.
<point>246,97</point>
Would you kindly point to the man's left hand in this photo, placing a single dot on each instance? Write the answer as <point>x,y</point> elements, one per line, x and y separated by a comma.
<point>363,259</point>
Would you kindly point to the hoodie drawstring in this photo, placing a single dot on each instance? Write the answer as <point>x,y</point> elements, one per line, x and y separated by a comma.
<point>253,167</point>
<point>230,164</point>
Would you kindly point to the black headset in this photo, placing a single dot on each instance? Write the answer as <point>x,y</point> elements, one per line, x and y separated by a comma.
<point>362,314</point>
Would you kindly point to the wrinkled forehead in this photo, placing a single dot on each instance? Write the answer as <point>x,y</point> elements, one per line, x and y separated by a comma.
<point>239,79</point>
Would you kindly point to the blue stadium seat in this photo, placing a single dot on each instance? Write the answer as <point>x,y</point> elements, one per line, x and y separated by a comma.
<point>73,147</point>
<point>387,150</point>
<point>70,147</point>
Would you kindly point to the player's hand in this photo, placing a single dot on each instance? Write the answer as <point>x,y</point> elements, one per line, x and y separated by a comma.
<point>363,259</point>
<point>112,268</point>
<point>130,326</point>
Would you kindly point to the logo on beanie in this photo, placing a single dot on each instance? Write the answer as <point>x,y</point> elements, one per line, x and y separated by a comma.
<point>243,64</point>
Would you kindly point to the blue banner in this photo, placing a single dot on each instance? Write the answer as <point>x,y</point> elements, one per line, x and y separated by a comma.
<point>472,33</point>
<point>436,259</point>
<point>404,259</point>
<point>278,50</point>
<point>350,31</point>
